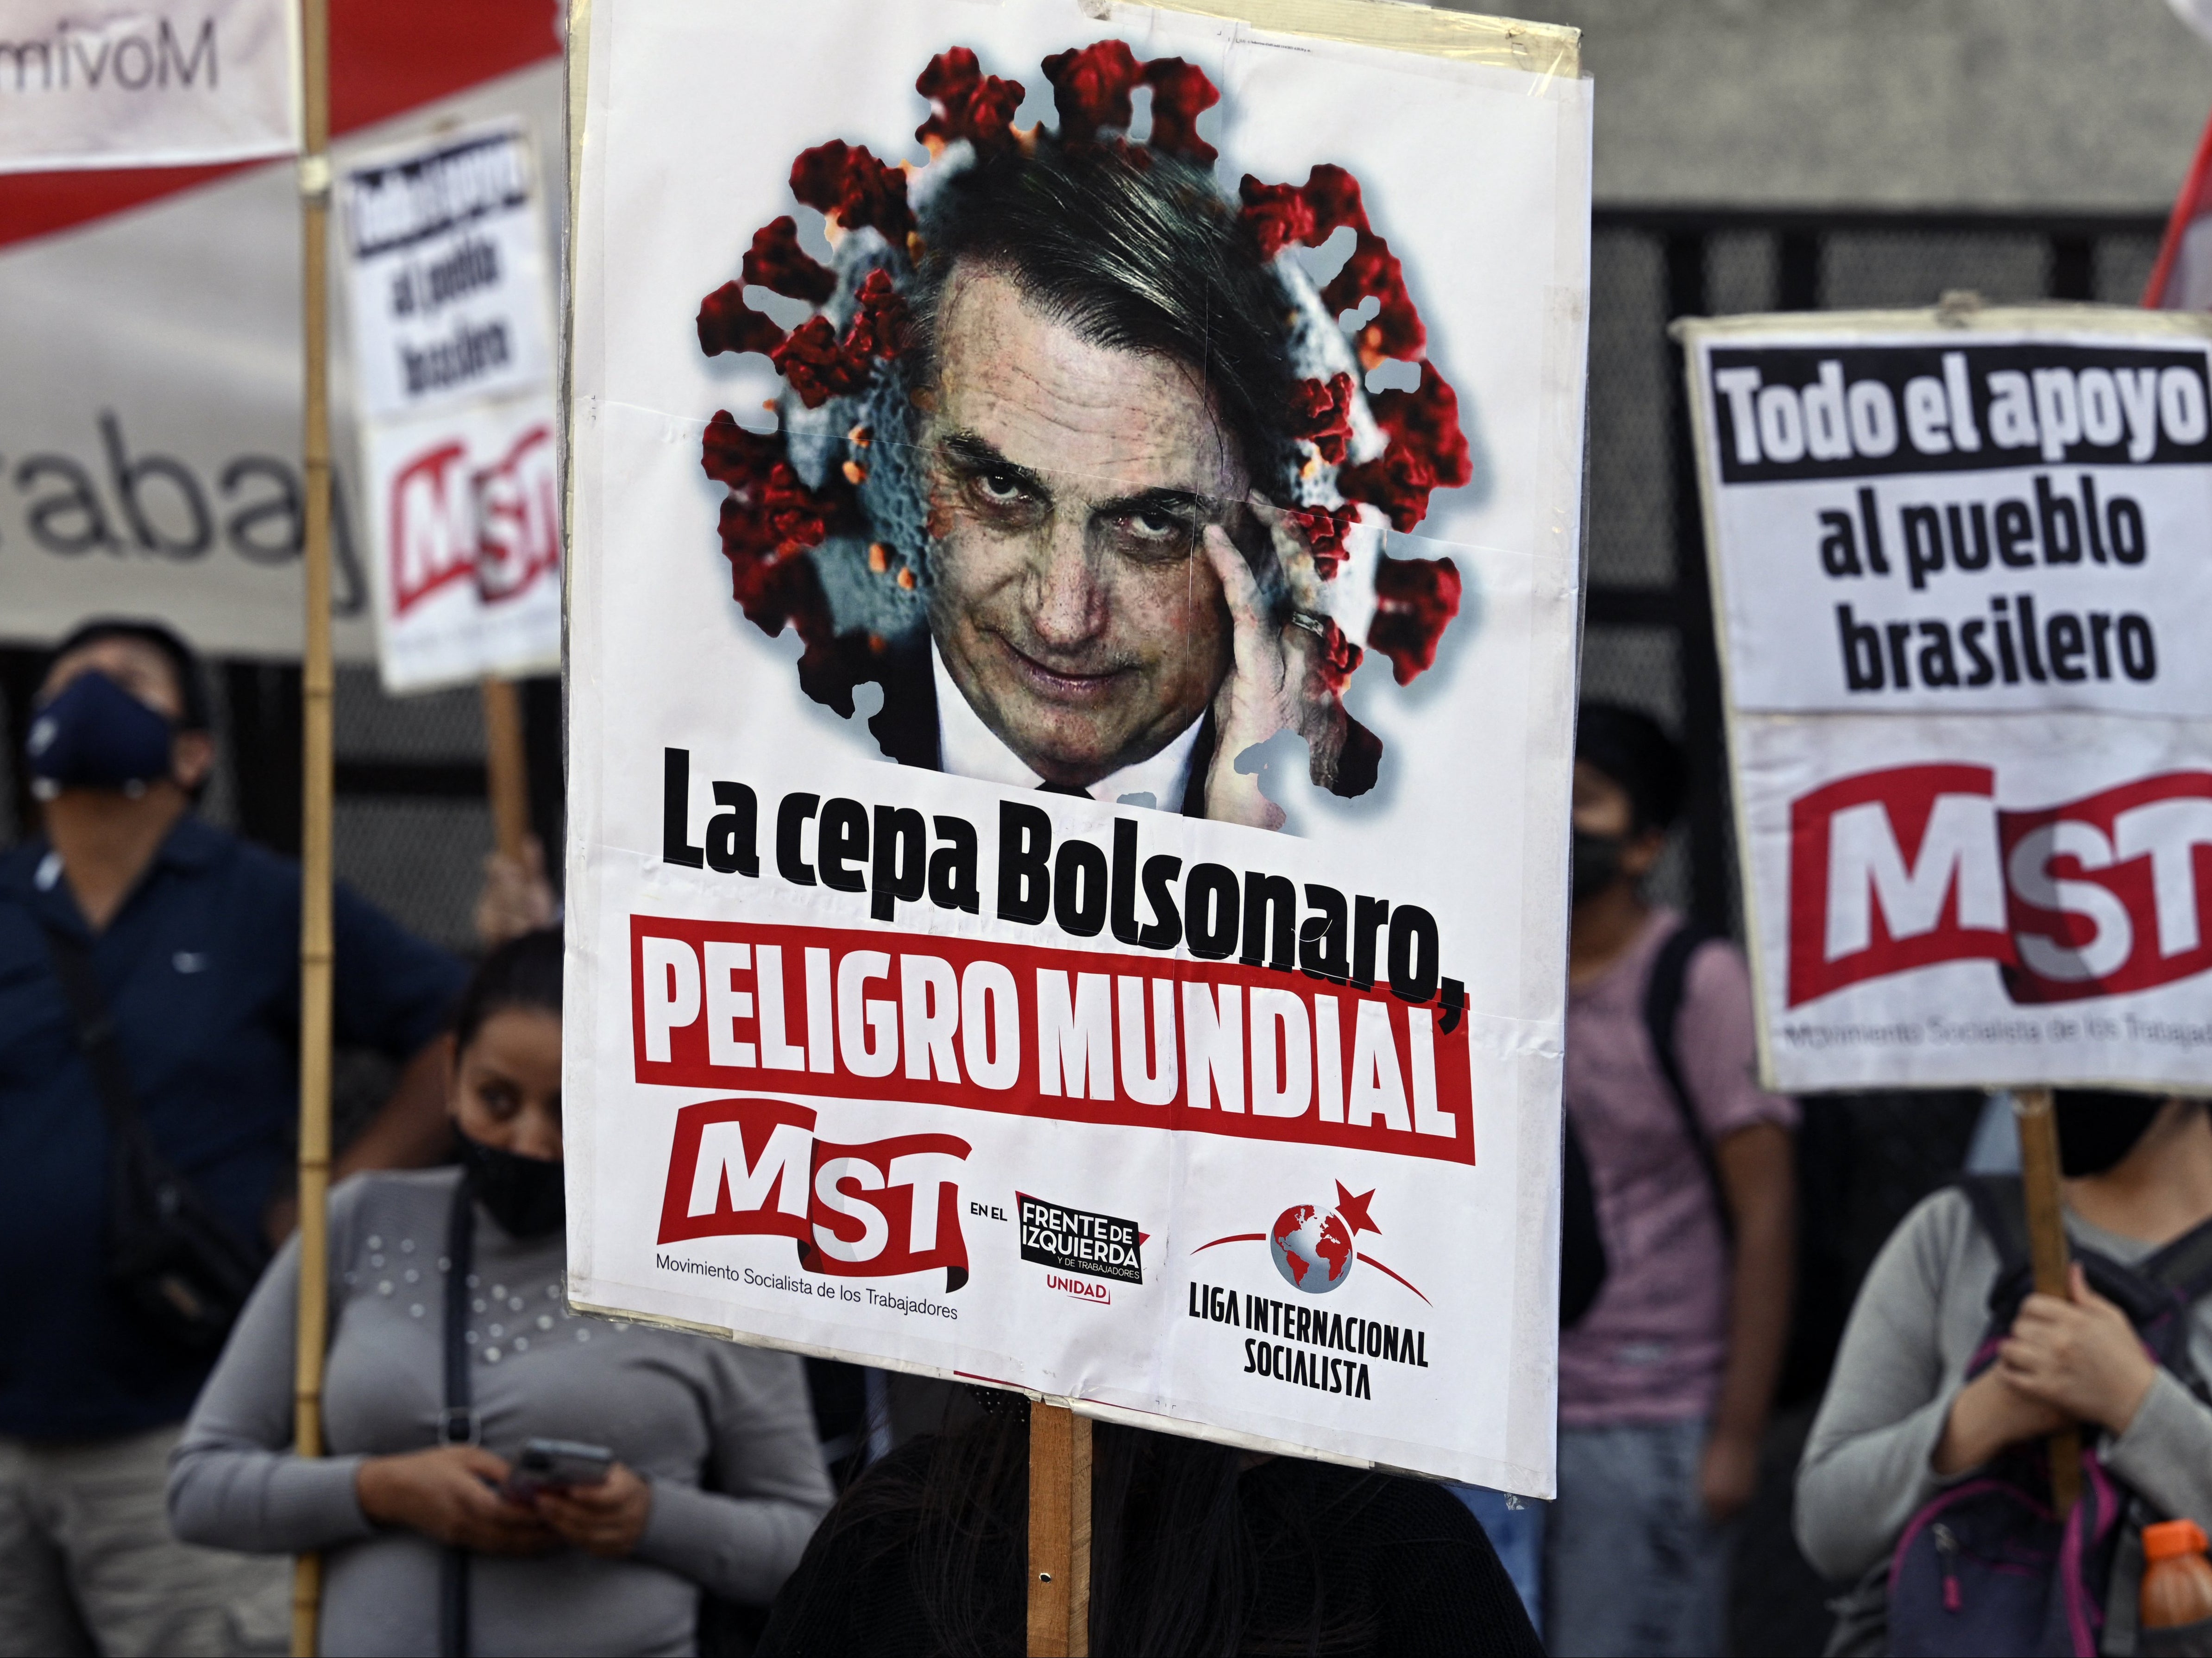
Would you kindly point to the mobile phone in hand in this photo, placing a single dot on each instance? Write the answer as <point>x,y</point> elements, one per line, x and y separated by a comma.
<point>555,1465</point>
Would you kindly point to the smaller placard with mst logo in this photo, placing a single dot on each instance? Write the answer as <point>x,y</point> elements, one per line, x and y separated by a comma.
<point>1973,547</point>
<point>453,366</point>
<point>1077,1240</point>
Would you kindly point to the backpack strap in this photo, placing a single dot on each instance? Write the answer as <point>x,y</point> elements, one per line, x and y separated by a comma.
<point>2184,1265</point>
<point>2179,1274</point>
<point>458,1423</point>
<point>1582,1264</point>
<point>2001,1206</point>
<point>1663,1007</point>
<point>2168,1281</point>
<point>2183,1268</point>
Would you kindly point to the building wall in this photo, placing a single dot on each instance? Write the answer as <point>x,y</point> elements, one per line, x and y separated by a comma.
<point>2043,104</point>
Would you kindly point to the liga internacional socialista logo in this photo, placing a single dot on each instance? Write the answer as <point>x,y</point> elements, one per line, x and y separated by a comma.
<point>1331,1351</point>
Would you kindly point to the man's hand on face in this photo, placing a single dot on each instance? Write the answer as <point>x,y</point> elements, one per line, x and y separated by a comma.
<point>1087,598</point>
<point>1267,666</point>
<point>1275,681</point>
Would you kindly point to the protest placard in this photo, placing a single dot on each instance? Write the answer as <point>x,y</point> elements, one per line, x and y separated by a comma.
<point>1960,569</point>
<point>170,83</point>
<point>445,240</point>
<point>465,513</point>
<point>1174,469</point>
<point>452,358</point>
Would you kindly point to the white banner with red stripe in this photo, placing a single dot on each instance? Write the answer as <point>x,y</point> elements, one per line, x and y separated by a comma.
<point>149,322</point>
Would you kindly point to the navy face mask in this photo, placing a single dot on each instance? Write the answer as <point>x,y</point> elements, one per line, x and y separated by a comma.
<point>527,1196</point>
<point>96,735</point>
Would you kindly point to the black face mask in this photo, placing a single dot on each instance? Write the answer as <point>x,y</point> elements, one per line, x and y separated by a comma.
<point>527,1196</point>
<point>2099,1127</point>
<point>1593,864</point>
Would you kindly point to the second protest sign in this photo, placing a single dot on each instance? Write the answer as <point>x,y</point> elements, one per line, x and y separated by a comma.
<point>1962,570</point>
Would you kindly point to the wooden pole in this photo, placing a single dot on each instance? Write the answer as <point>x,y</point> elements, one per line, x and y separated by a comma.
<point>507,770</point>
<point>316,683</point>
<point>2046,1245</point>
<point>1059,1533</point>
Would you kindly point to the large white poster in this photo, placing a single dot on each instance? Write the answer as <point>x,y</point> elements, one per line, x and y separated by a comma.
<point>1073,603</point>
<point>1961,568</point>
<point>164,83</point>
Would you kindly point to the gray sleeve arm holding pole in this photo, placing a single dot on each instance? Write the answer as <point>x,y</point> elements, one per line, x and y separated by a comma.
<point>1869,1464</point>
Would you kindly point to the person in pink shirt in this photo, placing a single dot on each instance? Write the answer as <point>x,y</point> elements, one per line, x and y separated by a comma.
<point>1665,1382</point>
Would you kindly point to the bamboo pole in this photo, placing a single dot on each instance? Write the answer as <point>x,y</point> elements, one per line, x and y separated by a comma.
<point>316,683</point>
<point>1059,1533</point>
<point>506,767</point>
<point>2046,1245</point>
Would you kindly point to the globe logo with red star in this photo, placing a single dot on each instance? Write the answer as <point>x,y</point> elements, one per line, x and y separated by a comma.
<point>1314,1250</point>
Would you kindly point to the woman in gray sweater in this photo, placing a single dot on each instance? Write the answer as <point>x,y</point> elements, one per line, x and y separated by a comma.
<point>717,1482</point>
<point>1901,1421</point>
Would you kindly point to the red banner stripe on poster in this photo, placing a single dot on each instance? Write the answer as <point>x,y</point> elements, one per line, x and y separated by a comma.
<point>2163,292</point>
<point>1075,1036</point>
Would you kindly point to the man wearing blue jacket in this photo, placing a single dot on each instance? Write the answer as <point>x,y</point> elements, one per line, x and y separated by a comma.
<point>186,941</point>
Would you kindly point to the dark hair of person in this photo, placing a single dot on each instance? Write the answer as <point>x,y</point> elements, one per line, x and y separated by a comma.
<point>2124,1099</point>
<point>184,661</point>
<point>524,972</point>
<point>2104,1099</point>
<point>1176,1543</point>
<point>1134,251</point>
<point>1633,749</point>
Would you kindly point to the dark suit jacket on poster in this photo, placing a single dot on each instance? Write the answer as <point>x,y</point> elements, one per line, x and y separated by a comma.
<point>906,725</point>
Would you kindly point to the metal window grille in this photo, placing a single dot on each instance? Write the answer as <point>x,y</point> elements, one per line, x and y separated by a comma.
<point>1648,633</point>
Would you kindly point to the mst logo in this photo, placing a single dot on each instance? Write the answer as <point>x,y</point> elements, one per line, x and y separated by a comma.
<point>748,1167</point>
<point>498,526</point>
<point>1900,869</point>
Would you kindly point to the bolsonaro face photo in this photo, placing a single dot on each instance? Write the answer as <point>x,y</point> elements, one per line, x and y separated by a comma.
<point>1073,484</point>
<point>1104,374</point>
<point>1074,456</point>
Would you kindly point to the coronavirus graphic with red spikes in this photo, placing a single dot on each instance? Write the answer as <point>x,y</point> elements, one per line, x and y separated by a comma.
<point>826,520</point>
